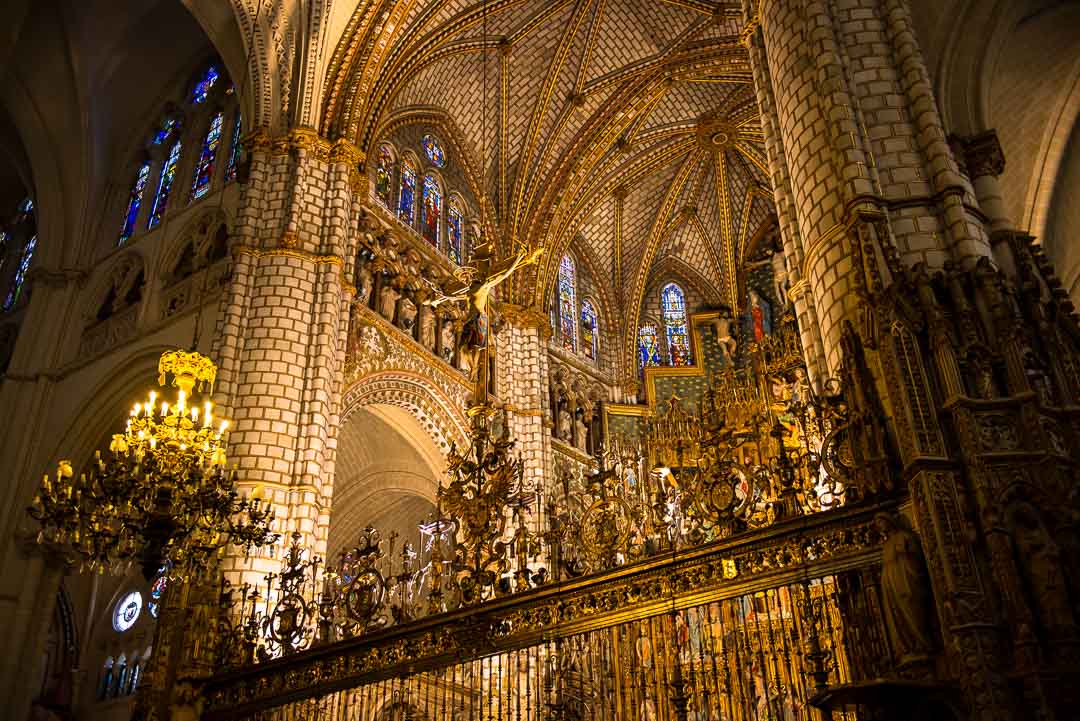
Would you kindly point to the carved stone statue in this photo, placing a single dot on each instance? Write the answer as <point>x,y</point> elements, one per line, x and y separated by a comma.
<point>449,341</point>
<point>1039,558</point>
<point>582,433</point>
<point>406,314</point>
<point>566,426</point>
<point>365,283</point>
<point>905,592</point>
<point>388,298</point>
<point>427,328</point>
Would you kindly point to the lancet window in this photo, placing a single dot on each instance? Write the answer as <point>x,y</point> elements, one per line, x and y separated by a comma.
<point>204,169</point>
<point>205,84</point>
<point>455,231</point>
<point>589,329</point>
<point>234,152</point>
<point>432,210</point>
<point>407,196</point>
<point>648,346</point>
<point>131,216</point>
<point>673,308</point>
<point>168,175</point>
<point>384,174</point>
<point>568,303</point>
<point>20,274</point>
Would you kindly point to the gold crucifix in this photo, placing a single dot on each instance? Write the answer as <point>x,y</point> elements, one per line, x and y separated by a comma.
<point>475,284</point>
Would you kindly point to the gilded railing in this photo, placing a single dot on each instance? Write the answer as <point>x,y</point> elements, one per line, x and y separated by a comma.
<point>750,627</point>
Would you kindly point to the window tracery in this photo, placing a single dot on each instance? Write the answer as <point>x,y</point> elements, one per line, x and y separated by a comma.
<point>568,303</point>
<point>204,169</point>
<point>673,308</point>
<point>433,150</point>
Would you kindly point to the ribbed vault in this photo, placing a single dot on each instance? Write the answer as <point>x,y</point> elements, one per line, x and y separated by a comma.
<point>627,129</point>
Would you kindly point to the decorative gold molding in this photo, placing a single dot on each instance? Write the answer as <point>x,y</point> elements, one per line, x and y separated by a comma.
<point>624,409</point>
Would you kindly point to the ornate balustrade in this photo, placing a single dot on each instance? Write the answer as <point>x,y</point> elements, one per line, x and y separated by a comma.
<point>745,628</point>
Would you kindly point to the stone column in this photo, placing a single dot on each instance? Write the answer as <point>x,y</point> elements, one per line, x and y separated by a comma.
<point>284,330</point>
<point>523,387</point>
<point>864,177</point>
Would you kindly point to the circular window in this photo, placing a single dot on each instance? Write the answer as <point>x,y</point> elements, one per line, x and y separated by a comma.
<point>127,611</point>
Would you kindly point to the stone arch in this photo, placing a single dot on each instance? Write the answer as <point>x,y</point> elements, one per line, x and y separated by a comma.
<point>431,408</point>
<point>117,284</point>
<point>204,241</point>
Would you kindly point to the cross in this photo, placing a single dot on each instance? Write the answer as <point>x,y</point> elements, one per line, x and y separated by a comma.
<point>475,284</point>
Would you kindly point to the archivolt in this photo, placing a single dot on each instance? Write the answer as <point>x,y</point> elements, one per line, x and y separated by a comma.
<point>431,408</point>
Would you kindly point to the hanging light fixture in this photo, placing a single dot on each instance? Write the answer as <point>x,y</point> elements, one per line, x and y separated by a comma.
<point>162,494</point>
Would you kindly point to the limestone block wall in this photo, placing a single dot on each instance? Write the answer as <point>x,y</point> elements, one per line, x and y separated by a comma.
<point>283,335</point>
<point>855,127</point>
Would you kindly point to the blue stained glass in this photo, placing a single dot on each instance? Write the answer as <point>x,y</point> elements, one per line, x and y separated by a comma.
<point>204,86</point>
<point>204,169</point>
<point>407,199</point>
<point>234,153</point>
<point>673,306</point>
<point>20,274</point>
<point>568,303</point>
<point>134,203</point>
<point>168,126</point>
<point>27,206</point>
<point>455,232</point>
<point>433,150</point>
<point>156,592</point>
<point>588,329</point>
<point>648,346</point>
<point>432,210</point>
<point>384,173</point>
<point>168,174</point>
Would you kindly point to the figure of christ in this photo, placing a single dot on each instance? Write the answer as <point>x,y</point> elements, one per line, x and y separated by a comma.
<point>477,283</point>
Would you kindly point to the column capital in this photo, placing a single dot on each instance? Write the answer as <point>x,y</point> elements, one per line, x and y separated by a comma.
<point>520,316</point>
<point>982,154</point>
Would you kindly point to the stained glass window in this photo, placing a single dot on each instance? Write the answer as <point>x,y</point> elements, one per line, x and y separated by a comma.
<point>429,224</point>
<point>156,592</point>
<point>127,611</point>
<point>134,203</point>
<point>407,198</point>
<point>455,231</point>
<point>648,346</point>
<point>166,129</point>
<point>568,303</point>
<point>384,173</point>
<point>204,169</point>
<point>588,329</point>
<point>673,306</point>
<point>234,152</point>
<point>433,150</point>
<point>27,206</point>
<point>20,274</point>
<point>168,175</point>
<point>204,86</point>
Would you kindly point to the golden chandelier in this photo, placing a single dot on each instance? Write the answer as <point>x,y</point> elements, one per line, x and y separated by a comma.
<point>162,496</point>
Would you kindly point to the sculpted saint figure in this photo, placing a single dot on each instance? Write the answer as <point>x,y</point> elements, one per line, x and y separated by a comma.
<point>725,338</point>
<point>407,314</point>
<point>388,298</point>
<point>905,591</point>
<point>449,340</point>
<point>365,283</point>
<point>427,328</point>
<point>582,434</point>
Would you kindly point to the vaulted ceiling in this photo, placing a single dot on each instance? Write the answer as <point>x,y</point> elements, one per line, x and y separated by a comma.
<point>626,130</point>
